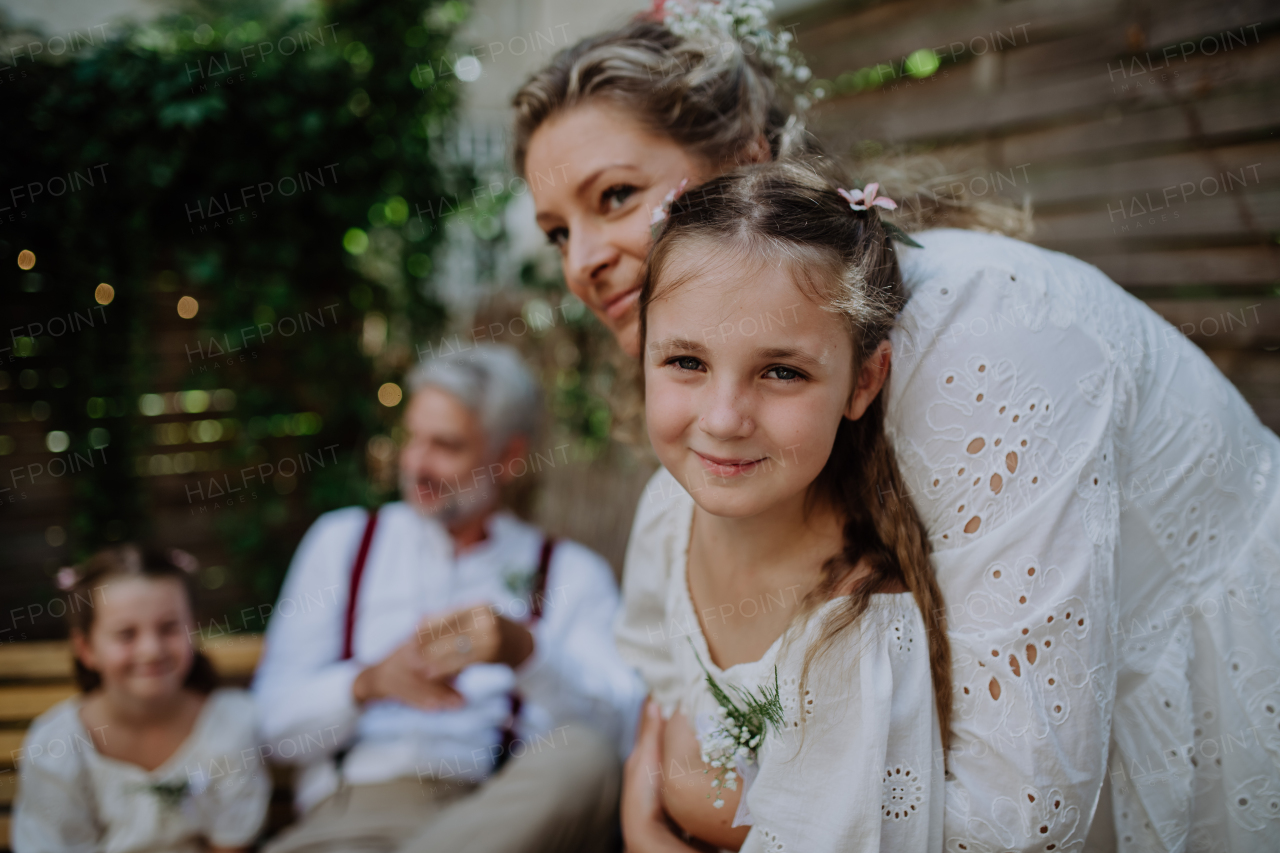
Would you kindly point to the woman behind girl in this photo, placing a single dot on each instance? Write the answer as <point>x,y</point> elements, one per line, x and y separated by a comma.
<point>1103,506</point>
<point>145,743</point>
<point>766,308</point>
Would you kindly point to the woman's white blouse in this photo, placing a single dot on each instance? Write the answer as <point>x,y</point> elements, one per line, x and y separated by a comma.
<point>1105,518</point>
<point>72,798</point>
<point>857,765</point>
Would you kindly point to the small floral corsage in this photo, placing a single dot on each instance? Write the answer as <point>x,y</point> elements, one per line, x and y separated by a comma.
<point>519,582</point>
<point>170,794</point>
<point>739,729</point>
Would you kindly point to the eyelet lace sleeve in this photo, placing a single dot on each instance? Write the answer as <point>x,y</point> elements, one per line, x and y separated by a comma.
<point>1105,520</point>
<point>862,771</point>
<point>1001,414</point>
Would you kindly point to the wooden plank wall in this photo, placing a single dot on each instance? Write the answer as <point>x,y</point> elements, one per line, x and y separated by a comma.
<point>1144,135</point>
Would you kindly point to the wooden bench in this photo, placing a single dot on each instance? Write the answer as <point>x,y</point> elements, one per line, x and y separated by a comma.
<point>36,676</point>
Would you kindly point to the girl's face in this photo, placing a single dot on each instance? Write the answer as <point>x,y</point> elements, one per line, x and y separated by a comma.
<point>746,381</point>
<point>140,640</point>
<point>596,175</point>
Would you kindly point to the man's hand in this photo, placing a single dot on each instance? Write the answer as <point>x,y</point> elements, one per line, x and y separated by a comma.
<point>456,640</point>
<point>403,676</point>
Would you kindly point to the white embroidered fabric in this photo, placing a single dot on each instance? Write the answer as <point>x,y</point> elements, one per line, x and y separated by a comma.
<point>1105,521</point>
<point>867,704</point>
<point>213,791</point>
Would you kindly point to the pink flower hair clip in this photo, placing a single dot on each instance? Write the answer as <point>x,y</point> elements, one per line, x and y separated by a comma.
<point>868,198</point>
<point>662,211</point>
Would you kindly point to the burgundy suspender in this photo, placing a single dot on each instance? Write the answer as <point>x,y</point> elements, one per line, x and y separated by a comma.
<point>537,594</point>
<point>539,588</point>
<point>357,573</point>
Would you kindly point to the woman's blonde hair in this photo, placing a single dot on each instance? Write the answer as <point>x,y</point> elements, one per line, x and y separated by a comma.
<point>719,101</point>
<point>710,96</point>
<point>790,210</point>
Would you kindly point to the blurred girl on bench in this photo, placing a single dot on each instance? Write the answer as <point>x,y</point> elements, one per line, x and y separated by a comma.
<point>131,763</point>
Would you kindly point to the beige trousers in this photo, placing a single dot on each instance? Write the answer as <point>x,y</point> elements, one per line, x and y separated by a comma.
<point>558,799</point>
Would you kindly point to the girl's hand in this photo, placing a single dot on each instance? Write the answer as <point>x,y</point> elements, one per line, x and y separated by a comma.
<point>644,824</point>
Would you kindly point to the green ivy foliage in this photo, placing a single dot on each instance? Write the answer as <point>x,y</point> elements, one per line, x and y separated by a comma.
<point>191,119</point>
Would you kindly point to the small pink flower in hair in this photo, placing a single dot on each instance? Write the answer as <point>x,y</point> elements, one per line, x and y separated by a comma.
<point>66,578</point>
<point>184,561</point>
<point>868,198</point>
<point>662,211</point>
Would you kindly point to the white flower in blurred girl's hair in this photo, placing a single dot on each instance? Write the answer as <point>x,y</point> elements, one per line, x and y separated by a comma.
<point>184,561</point>
<point>66,578</point>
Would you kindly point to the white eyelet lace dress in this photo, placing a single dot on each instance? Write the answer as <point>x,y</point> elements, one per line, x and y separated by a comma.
<point>1105,519</point>
<point>214,790</point>
<point>857,765</point>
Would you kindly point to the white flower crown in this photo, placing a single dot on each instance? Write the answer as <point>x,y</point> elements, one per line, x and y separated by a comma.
<point>743,21</point>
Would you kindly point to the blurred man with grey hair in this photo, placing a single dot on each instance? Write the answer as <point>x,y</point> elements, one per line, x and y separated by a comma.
<point>446,674</point>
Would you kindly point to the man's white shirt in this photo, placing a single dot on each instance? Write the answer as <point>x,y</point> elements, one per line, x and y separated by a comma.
<point>303,689</point>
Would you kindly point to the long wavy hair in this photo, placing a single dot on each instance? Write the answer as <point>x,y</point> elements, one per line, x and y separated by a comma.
<point>844,259</point>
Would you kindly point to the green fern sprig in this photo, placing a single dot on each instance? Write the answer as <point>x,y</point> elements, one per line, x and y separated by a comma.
<point>742,728</point>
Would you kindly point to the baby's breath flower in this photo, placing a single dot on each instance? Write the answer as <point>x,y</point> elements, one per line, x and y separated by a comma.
<point>743,21</point>
<point>738,730</point>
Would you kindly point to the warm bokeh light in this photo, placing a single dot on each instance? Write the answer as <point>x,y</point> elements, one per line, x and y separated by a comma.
<point>104,293</point>
<point>390,394</point>
<point>26,259</point>
<point>188,307</point>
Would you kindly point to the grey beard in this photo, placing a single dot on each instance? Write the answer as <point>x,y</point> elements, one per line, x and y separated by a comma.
<point>453,509</point>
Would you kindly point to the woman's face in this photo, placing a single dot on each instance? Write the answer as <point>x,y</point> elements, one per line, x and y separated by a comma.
<point>596,175</point>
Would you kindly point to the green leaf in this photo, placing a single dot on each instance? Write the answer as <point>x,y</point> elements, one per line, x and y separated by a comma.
<point>896,233</point>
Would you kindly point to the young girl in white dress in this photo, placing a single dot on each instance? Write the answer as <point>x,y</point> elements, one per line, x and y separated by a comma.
<point>150,756</point>
<point>801,607</point>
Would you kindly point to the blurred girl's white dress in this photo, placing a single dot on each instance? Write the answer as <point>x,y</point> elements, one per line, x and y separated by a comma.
<point>71,798</point>
<point>857,765</point>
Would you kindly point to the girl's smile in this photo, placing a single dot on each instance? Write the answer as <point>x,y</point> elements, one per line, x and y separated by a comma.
<point>140,641</point>
<point>726,468</point>
<point>742,407</point>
